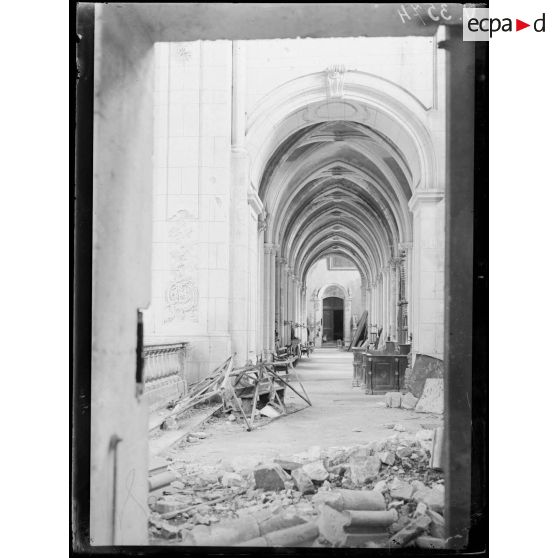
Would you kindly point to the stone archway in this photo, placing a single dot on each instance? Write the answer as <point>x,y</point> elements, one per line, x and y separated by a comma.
<point>328,291</point>
<point>351,168</point>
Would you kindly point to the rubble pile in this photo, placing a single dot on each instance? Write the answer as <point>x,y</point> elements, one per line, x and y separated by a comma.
<point>381,494</point>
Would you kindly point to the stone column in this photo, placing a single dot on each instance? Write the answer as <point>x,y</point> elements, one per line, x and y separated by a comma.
<point>269,298</point>
<point>297,290</point>
<point>385,301</point>
<point>290,303</point>
<point>398,262</point>
<point>304,314</point>
<point>368,306</point>
<point>262,293</point>
<point>279,263</point>
<point>318,312</point>
<point>239,216</point>
<point>406,251</point>
<point>286,305</point>
<point>393,298</point>
<point>427,297</point>
<point>379,299</point>
<point>314,314</point>
<point>347,307</point>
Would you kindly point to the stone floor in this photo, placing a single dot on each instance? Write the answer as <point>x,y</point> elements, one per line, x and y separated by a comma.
<point>340,415</point>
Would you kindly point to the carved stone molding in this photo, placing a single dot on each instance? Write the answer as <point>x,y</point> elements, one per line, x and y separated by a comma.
<point>403,248</point>
<point>262,221</point>
<point>335,75</point>
<point>181,293</point>
<point>423,197</point>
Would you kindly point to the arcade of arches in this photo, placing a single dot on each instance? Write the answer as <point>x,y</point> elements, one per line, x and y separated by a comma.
<point>307,160</point>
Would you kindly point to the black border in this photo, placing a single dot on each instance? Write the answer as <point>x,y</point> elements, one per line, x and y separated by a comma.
<point>81,130</point>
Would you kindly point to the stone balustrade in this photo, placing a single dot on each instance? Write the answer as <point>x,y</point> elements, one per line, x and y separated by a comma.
<point>164,373</point>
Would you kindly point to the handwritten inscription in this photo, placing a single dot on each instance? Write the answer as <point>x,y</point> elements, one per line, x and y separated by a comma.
<point>425,13</point>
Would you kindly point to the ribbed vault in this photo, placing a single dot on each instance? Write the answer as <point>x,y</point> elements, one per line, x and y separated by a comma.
<point>337,187</point>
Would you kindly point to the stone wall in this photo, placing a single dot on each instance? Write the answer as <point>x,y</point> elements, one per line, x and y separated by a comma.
<point>191,200</point>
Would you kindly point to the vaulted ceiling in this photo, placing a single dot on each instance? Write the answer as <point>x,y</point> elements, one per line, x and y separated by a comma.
<point>337,187</point>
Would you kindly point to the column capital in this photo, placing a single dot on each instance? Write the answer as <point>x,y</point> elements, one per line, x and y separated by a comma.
<point>403,248</point>
<point>425,196</point>
<point>281,260</point>
<point>394,262</point>
<point>269,248</point>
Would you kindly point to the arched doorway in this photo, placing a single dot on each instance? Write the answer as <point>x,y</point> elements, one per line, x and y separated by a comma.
<point>333,320</point>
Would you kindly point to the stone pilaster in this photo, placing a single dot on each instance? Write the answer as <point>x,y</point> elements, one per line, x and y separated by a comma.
<point>427,296</point>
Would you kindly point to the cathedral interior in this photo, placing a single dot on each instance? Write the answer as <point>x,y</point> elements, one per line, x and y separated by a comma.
<point>259,193</point>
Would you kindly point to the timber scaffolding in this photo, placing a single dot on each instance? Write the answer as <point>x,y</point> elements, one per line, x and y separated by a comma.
<point>241,390</point>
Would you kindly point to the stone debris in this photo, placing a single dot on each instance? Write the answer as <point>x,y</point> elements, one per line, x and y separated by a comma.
<point>411,531</point>
<point>430,542</point>
<point>232,479</point>
<point>438,525</point>
<point>409,401</point>
<point>393,399</point>
<point>357,451</point>
<point>401,490</point>
<point>381,494</point>
<point>364,469</point>
<point>434,499</point>
<point>316,471</point>
<point>270,412</point>
<point>387,457</point>
<point>436,456</point>
<point>432,398</point>
<point>303,482</point>
<point>270,477</point>
<point>288,464</point>
<point>311,454</point>
<point>380,486</point>
<point>290,537</point>
<point>425,367</point>
<point>246,464</point>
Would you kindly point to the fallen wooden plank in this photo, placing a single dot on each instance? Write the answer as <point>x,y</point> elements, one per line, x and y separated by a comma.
<point>359,330</point>
<point>170,438</point>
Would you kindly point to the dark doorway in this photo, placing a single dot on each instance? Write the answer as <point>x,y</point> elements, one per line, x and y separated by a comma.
<point>333,319</point>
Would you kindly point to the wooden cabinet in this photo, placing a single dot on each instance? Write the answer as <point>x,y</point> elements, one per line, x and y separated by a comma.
<point>384,372</point>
